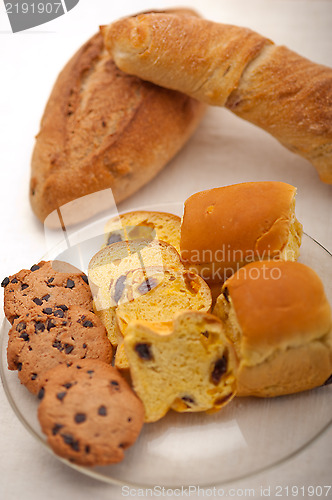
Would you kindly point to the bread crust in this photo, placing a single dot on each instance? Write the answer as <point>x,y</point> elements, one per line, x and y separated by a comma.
<point>104,129</point>
<point>223,65</point>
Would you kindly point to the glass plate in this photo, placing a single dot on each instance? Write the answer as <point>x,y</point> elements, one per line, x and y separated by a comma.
<point>248,436</point>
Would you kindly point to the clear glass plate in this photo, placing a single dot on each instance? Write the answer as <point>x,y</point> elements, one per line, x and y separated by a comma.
<point>248,436</point>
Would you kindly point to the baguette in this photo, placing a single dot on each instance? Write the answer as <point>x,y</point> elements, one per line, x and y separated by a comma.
<point>103,129</point>
<point>222,65</point>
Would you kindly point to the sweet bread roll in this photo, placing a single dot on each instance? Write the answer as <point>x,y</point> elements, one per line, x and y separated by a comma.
<point>113,272</point>
<point>142,279</point>
<point>188,366</point>
<point>279,319</point>
<point>285,94</point>
<point>224,228</point>
<point>103,129</point>
<point>143,225</point>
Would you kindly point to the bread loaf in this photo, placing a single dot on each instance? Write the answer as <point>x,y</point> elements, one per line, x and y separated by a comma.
<point>104,129</point>
<point>285,94</point>
<point>227,227</point>
<point>279,319</point>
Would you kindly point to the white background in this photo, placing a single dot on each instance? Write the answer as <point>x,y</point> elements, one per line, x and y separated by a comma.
<point>224,150</point>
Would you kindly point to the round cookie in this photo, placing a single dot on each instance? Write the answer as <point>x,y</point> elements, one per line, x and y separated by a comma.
<point>88,412</point>
<point>41,339</point>
<point>46,284</point>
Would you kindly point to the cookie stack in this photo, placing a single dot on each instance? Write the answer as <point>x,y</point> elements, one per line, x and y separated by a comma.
<point>61,352</point>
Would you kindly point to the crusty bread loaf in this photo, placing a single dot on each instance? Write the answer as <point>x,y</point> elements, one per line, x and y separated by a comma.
<point>189,366</point>
<point>143,225</point>
<point>104,129</point>
<point>279,319</point>
<point>224,228</point>
<point>285,94</point>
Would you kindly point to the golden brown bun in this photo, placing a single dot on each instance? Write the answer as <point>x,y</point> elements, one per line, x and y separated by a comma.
<point>104,129</point>
<point>224,228</point>
<point>279,319</point>
<point>287,95</point>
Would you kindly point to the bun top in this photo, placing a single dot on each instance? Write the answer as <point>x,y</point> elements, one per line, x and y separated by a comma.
<point>253,216</point>
<point>278,304</point>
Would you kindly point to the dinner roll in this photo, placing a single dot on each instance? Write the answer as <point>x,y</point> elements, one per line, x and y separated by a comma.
<point>278,317</point>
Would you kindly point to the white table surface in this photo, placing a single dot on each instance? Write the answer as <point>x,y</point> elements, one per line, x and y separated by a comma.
<point>224,150</point>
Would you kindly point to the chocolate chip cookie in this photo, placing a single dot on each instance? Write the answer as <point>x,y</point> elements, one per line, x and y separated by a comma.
<point>46,284</point>
<point>88,412</point>
<point>43,338</point>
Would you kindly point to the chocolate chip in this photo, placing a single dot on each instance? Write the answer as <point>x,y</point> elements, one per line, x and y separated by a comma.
<point>19,366</point>
<point>188,399</point>
<point>56,429</point>
<point>70,284</point>
<point>87,449</point>
<point>119,288</point>
<point>144,351</point>
<point>24,286</point>
<point>78,367</point>
<point>102,411</point>
<point>47,310</point>
<point>226,294</point>
<point>46,297</point>
<point>14,280</point>
<point>24,336</point>
<point>67,385</point>
<point>219,369</point>
<point>21,326</point>
<point>50,280</point>
<point>37,301</point>
<point>50,324</point>
<point>41,393</point>
<point>63,307</point>
<point>58,313</point>
<point>39,326</point>
<point>34,268</point>
<point>80,417</point>
<point>34,376</point>
<point>68,439</point>
<point>206,334</point>
<point>129,419</point>
<point>57,344</point>
<point>5,282</point>
<point>147,285</point>
<point>68,348</point>
<point>61,395</point>
<point>85,278</point>
<point>115,384</point>
<point>114,238</point>
<point>88,324</point>
<point>84,346</point>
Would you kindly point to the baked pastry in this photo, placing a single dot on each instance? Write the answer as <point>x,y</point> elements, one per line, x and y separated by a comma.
<point>188,367</point>
<point>142,279</point>
<point>47,284</point>
<point>89,413</point>
<point>224,228</point>
<point>99,132</point>
<point>279,319</point>
<point>40,340</point>
<point>280,91</point>
<point>144,225</point>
